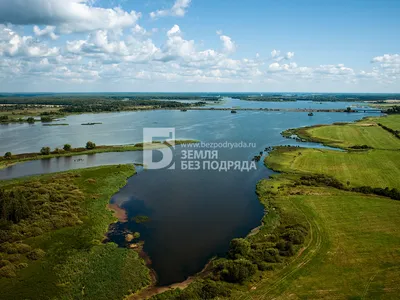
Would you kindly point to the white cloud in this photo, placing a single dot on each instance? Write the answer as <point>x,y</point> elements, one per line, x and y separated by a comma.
<point>275,53</point>
<point>67,15</point>
<point>48,31</point>
<point>12,44</point>
<point>289,55</point>
<point>387,59</point>
<point>229,45</point>
<point>179,9</point>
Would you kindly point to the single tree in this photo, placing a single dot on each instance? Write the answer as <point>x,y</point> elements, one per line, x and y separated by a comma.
<point>67,147</point>
<point>30,120</point>
<point>7,155</point>
<point>45,151</point>
<point>90,145</point>
<point>348,109</point>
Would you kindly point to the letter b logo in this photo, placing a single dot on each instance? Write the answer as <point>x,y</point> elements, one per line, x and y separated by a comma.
<point>166,150</point>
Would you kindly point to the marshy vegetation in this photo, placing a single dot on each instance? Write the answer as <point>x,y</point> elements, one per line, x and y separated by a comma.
<point>51,233</point>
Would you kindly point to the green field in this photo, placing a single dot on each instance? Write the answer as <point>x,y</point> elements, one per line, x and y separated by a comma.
<point>357,134</point>
<point>376,168</point>
<point>366,132</point>
<point>65,227</point>
<point>352,251</point>
<point>392,121</point>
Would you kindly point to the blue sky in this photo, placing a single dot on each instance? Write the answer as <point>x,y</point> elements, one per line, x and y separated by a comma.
<point>199,45</point>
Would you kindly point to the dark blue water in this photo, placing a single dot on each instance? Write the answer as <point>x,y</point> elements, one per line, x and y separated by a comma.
<point>193,214</point>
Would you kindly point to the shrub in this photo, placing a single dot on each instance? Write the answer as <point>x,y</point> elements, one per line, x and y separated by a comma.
<point>36,254</point>
<point>67,147</point>
<point>22,266</point>
<point>90,145</point>
<point>46,119</point>
<point>236,271</point>
<point>8,271</point>
<point>30,120</point>
<point>238,248</point>
<point>45,151</point>
<point>8,155</point>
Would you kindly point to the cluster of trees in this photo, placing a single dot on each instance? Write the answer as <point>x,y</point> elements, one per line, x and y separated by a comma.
<point>394,110</point>
<point>199,290</point>
<point>320,180</point>
<point>386,192</point>
<point>396,133</point>
<point>47,150</point>
<point>361,147</point>
<point>323,180</point>
<point>13,206</point>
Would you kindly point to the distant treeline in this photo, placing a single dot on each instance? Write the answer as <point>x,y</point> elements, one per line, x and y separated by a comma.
<point>316,97</point>
<point>71,99</point>
<point>94,104</point>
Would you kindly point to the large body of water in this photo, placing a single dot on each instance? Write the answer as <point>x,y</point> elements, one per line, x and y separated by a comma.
<point>193,214</point>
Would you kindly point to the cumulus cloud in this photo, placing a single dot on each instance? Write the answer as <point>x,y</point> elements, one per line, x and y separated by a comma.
<point>48,31</point>
<point>179,9</point>
<point>12,44</point>
<point>289,55</point>
<point>113,47</point>
<point>229,45</point>
<point>275,53</point>
<point>387,59</point>
<point>67,15</point>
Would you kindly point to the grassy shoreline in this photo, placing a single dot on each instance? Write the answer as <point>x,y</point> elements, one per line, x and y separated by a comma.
<point>354,250</point>
<point>18,158</point>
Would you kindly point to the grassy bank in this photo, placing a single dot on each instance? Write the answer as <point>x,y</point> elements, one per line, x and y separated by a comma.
<point>18,158</point>
<point>366,132</point>
<point>353,250</point>
<point>54,251</point>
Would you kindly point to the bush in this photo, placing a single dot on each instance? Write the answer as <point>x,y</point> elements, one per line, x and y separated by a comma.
<point>30,120</point>
<point>45,151</point>
<point>90,145</point>
<point>285,248</point>
<point>67,147</point>
<point>8,155</point>
<point>46,119</point>
<point>236,271</point>
<point>36,254</point>
<point>238,248</point>
<point>8,271</point>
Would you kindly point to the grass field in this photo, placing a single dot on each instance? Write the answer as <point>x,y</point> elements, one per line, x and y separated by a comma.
<point>392,121</point>
<point>76,264</point>
<point>357,134</point>
<point>365,132</point>
<point>376,168</point>
<point>352,251</point>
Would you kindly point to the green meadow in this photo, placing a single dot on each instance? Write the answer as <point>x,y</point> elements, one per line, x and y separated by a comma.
<point>353,248</point>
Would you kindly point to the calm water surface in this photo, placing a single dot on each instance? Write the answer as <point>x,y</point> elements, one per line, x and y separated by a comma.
<point>193,214</point>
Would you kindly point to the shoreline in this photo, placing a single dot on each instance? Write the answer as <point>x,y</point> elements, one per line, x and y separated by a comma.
<point>24,157</point>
